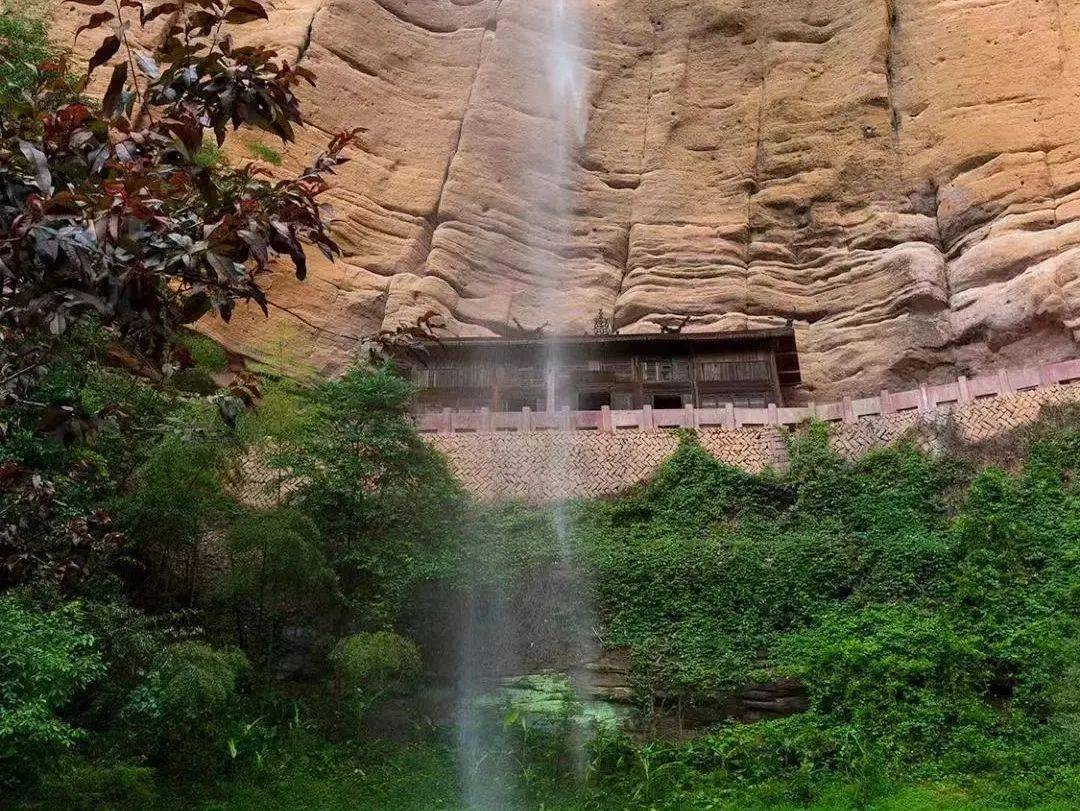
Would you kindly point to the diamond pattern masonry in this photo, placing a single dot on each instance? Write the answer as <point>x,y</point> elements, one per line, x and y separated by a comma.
<point>543,466</point>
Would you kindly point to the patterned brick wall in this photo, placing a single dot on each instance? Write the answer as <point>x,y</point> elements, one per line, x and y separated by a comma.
<point>547,465</point>
<point>541,466</point>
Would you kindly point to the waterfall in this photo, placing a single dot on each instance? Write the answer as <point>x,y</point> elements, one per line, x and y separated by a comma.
<point>491,617</point>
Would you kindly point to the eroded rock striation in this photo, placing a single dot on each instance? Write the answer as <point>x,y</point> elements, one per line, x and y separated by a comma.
<point>897,177</point>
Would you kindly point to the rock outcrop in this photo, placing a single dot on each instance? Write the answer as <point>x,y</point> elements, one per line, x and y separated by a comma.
<point>898,177</point>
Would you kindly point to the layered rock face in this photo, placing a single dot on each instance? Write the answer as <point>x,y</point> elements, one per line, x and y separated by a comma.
<point>897,177</point>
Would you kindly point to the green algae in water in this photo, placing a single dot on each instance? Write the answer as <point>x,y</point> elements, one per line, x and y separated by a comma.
<point>547,699</point>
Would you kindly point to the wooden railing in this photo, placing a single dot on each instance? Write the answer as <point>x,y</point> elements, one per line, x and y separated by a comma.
<point>925,398</point>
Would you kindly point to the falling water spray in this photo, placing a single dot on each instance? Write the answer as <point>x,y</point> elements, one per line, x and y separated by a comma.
<point>489,624</point>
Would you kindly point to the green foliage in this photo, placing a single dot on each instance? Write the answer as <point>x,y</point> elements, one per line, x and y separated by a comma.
<point>929,605</point>
<point>266,153</point>
<point>46,657</point>
<point>182,713</point>
<point>896,675</point>
<point>929,609</point>
<point>275,563</point>
<point>177,492</point>
<point>209,156</point>
<point>205,352</point>
<point>283,417</point>
<point>377,663</point>
<point>24,42</point>
<point>364,471</point>
<point>91,787</point>
<point>276,556</point>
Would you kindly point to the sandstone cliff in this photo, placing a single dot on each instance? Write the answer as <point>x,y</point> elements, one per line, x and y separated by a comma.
<point>900,177</point>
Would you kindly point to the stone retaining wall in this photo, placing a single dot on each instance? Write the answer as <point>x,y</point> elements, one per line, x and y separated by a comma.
<point>540,466</point>
<point>545,465</point>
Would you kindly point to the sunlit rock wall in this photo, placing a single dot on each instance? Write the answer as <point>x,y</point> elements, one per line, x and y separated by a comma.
<point>899,177</point>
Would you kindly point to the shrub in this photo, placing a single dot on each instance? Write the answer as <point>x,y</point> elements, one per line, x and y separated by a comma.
<point>46,658</point>
<point>176,493</point>
<point>376,663</point>
<point>365,471</point>
<point>182,713</point>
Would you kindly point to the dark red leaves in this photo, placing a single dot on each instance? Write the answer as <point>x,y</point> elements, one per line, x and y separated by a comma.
<point>245,11</point>
<point>39,165</point>
<point>147,227</point>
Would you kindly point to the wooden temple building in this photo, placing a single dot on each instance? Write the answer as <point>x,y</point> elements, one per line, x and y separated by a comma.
<point>749,369</point>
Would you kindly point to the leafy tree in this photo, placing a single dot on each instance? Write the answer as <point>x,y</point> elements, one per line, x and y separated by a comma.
<point>380,496</point>
<point>276,564</point>
<point>174,497</point>
<point>111,210</point>
<point>46,657</point>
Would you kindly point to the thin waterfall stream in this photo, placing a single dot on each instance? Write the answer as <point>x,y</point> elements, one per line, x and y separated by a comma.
<point>491,644</point>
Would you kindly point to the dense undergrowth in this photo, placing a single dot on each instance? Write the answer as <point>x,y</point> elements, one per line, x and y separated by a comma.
<point>149,629</point>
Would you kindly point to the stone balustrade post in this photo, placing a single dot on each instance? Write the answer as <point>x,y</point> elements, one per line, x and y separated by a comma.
<point>963,389</point>
<point>607,425</point>
<point>526,419</point>
<point>849,412</point>
<point>1005,385</point>
<point>691,416</point>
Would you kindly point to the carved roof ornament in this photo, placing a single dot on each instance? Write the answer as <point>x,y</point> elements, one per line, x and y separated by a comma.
<point>601,325</point>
